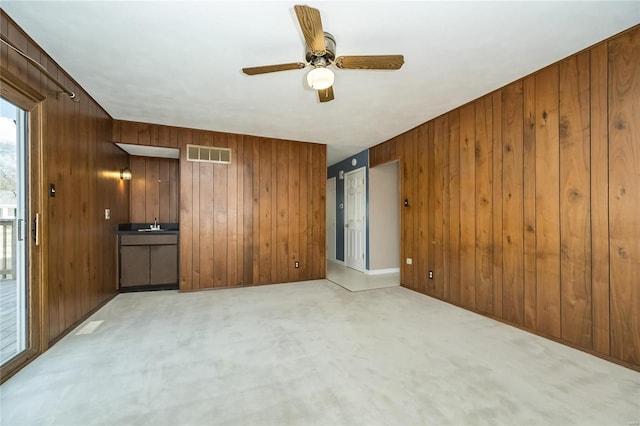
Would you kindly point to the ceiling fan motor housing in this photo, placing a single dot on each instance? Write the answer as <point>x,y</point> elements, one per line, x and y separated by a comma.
<point>330,50</point>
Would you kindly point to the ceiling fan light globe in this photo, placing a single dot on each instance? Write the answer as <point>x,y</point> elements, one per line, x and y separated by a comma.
<point>320,78</point>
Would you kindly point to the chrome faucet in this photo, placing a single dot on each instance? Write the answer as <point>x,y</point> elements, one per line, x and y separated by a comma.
<point>155,225</point>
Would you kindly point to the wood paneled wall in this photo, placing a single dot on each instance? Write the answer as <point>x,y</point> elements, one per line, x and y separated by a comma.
<point>525,202</point>
<point>248,222</point>
<point>79,158</point>
<point>154,190</point>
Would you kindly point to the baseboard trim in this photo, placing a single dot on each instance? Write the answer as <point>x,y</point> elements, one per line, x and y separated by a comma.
<point>381,271</point>
<point>339,262</point>
<point>606,357</point>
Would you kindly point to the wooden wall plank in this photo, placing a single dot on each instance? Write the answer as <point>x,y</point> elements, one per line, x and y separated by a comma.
<point>529,199</point>
<point>206,248</point>
<point>303,213</point>
<point>496,211</point>
<point>600,198</point>
<point>320,228</point>
<point>231,215</point>
<point>115,130</point>
<point>425,217</point>
<point>575,200</point>
<point>220,219</point>
<point>454,206</point>
<point>293,233</point>
<point>282,212</point>
<point>467,207</point>
<point>186,215</point>
<point>164,189</point>
<point>512,205</point>
<point>310,190</point>
<point>418,195</point>
<point>144,133</point>
<point>129,132</point>
<point>174,139</point>
<point>406,216</point>
<point>624,195</point>
<point>174,192</point>
<point>384,152</point>
<point>547,202</point>
<point>84,260</point>
<point>72,258</point>
<point>446,208</point>
<point>266,210</point>
<point>55,216</point>
<point>248,172</point>
<point>163,136</point>
<point>273,246</point>
<point>196,179</point>
<point>238,174</point>
<point>483,207</point>
<point>152,191</point>
<point>437,188</point>
<point>257,214</point>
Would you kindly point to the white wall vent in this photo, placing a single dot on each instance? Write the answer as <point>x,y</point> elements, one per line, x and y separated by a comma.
<point>208,154</point>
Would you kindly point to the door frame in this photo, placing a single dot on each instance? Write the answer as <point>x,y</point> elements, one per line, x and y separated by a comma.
<point>332,183</point>
<point>362,169</point>
<point>14,91</point>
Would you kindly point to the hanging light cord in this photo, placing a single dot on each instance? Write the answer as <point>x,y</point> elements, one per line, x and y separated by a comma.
<point>40,68</point>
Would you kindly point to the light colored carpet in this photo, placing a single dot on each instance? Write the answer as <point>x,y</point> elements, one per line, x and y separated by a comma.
<point>312,353</point>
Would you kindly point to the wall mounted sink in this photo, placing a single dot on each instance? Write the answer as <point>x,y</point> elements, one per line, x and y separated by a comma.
<point>146,227</point>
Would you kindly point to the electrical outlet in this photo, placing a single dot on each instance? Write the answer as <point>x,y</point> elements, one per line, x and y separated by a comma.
<point>107,214</point>
<point>409,261</point>
<point>296,264</point>
<point>430,275</point>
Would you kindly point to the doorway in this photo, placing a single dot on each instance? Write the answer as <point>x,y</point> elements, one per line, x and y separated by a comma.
<point>331,219</point>
<point>384,218</point>
<point>22,307</point>
<point>355,203</point>
<point>14,234</point>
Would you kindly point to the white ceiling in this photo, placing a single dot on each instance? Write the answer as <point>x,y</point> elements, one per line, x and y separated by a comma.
<point>179,63</point>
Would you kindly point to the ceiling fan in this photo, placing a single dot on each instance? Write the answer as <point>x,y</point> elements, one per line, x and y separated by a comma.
<point>321,53</point>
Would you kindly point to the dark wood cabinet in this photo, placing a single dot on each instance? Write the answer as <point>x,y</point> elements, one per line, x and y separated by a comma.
<point>148,260</point>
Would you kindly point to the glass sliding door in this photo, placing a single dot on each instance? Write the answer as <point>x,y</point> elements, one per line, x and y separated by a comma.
<point>14,232</point>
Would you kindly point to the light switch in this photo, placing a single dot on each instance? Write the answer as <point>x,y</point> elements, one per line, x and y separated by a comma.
<point>409,261</point>
<point>107,214</point>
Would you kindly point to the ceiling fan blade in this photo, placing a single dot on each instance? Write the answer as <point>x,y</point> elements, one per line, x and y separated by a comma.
<point>376,62</point>
<point>326,95</point>
<point>273,68</point>
<point>311,25</point>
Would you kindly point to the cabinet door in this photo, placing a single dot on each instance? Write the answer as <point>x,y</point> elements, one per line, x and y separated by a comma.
<point>164,264</point>
<point>134,265</point>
